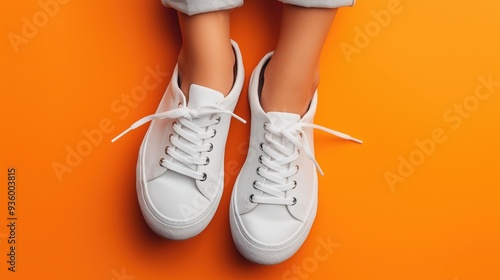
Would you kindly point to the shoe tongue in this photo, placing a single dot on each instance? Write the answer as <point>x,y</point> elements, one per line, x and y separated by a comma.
<point>283,119</point>
<point>202,96</point>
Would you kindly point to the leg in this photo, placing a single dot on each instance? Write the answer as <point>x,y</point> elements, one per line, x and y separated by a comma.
<point>206,57</point>
<point>180,173</point>
<point>274,199</point>
<point>292,75</point>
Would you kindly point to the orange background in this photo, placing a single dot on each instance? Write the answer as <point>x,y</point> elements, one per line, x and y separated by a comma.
<point>440,220</point>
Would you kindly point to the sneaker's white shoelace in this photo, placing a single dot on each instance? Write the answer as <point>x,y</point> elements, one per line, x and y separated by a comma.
<point>278,159</point>
<point>190,130</point>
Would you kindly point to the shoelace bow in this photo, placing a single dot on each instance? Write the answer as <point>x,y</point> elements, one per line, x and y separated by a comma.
<point>188,137</point>
<point>278,158</point>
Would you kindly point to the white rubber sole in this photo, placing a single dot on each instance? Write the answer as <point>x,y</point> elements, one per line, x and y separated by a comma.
<point>260,253</point>
<point>170,229</point>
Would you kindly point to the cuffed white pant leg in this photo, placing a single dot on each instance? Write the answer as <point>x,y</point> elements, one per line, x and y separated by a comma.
<point>193,7</point>
<point>320,3</point>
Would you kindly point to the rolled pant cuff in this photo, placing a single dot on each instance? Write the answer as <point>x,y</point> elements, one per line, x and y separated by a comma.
<point>193,7</point>
<point>320,3</point>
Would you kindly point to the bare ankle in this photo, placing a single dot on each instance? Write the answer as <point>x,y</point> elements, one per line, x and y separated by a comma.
<point>212,71</point>
<point>288,93</point>
<point>206,57</point>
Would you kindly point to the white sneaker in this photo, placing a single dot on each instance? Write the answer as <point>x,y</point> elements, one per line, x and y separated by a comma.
<point>180,169</point>
<point>274,199</point>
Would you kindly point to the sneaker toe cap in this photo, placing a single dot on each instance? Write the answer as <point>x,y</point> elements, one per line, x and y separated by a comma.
<point>175,197</point>
<point>270,225</point>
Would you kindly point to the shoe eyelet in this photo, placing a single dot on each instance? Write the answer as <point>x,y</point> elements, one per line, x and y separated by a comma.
<point>251,198</point>
<point>298,151</point>
<point>218,120</point>
<point>170,138</point>
<point>166,149</point>
<point>215,133</point>
<point>265,125</point>
<point>207,161</point>
<point>261,145</point>
<point>294,185</point>
<point>296,166</point>
<point>294,201</point>
<point>257,170</point>
<point>179,105</point>
<point>260,158</point>
<point>204,177</point>
<point>254,184</point>
<point>161,161</point>
<point>211,147</point>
